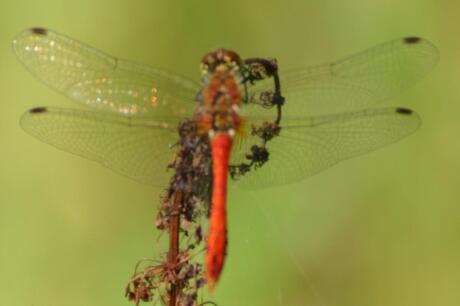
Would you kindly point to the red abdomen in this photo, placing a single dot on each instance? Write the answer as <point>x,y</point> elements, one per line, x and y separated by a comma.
<point>217,238</point>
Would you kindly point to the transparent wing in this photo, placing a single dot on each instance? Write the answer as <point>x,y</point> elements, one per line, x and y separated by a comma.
<point>137,147</point>
<point>101,81</point>
<point>357,82</point>
<point>307,146</point>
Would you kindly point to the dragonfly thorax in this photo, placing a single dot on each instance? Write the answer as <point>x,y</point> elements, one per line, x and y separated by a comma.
<point>218,111</point>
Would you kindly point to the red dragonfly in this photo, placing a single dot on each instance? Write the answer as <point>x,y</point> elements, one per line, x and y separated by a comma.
<point>265,128</point>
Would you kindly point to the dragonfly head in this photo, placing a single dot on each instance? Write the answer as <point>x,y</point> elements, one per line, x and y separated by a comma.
<point>220,60</point>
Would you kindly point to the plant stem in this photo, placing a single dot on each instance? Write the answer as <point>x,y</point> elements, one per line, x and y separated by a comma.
<point>174,231</point>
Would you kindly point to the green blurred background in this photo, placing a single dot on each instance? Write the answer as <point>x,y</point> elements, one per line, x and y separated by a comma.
<point>382,229</point>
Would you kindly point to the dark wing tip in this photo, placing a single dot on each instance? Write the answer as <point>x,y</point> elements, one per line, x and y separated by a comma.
<point>404,111</point>
<point>39,31</point>
<point>38,110</point>
<point>411,40</point>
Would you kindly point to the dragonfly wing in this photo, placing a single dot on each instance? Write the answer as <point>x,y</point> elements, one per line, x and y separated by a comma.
<point>138,147</point>
<point>307,146</point>
<point>99,80</point>
<point>357,82</point>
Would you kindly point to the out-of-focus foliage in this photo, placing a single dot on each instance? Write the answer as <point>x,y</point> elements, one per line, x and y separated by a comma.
<point>381,229</point>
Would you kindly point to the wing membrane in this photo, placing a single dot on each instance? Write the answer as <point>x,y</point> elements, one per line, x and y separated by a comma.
<point>137,147</point>
<point>357,82</point>
<point>101,81</point>
<point>152,102</point>
<point>308,146</point>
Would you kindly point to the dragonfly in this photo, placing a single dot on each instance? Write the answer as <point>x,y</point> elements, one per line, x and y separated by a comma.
<point>266,127</point>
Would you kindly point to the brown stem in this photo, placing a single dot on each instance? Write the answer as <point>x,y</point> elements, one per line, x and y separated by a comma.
<point>174,231</point>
